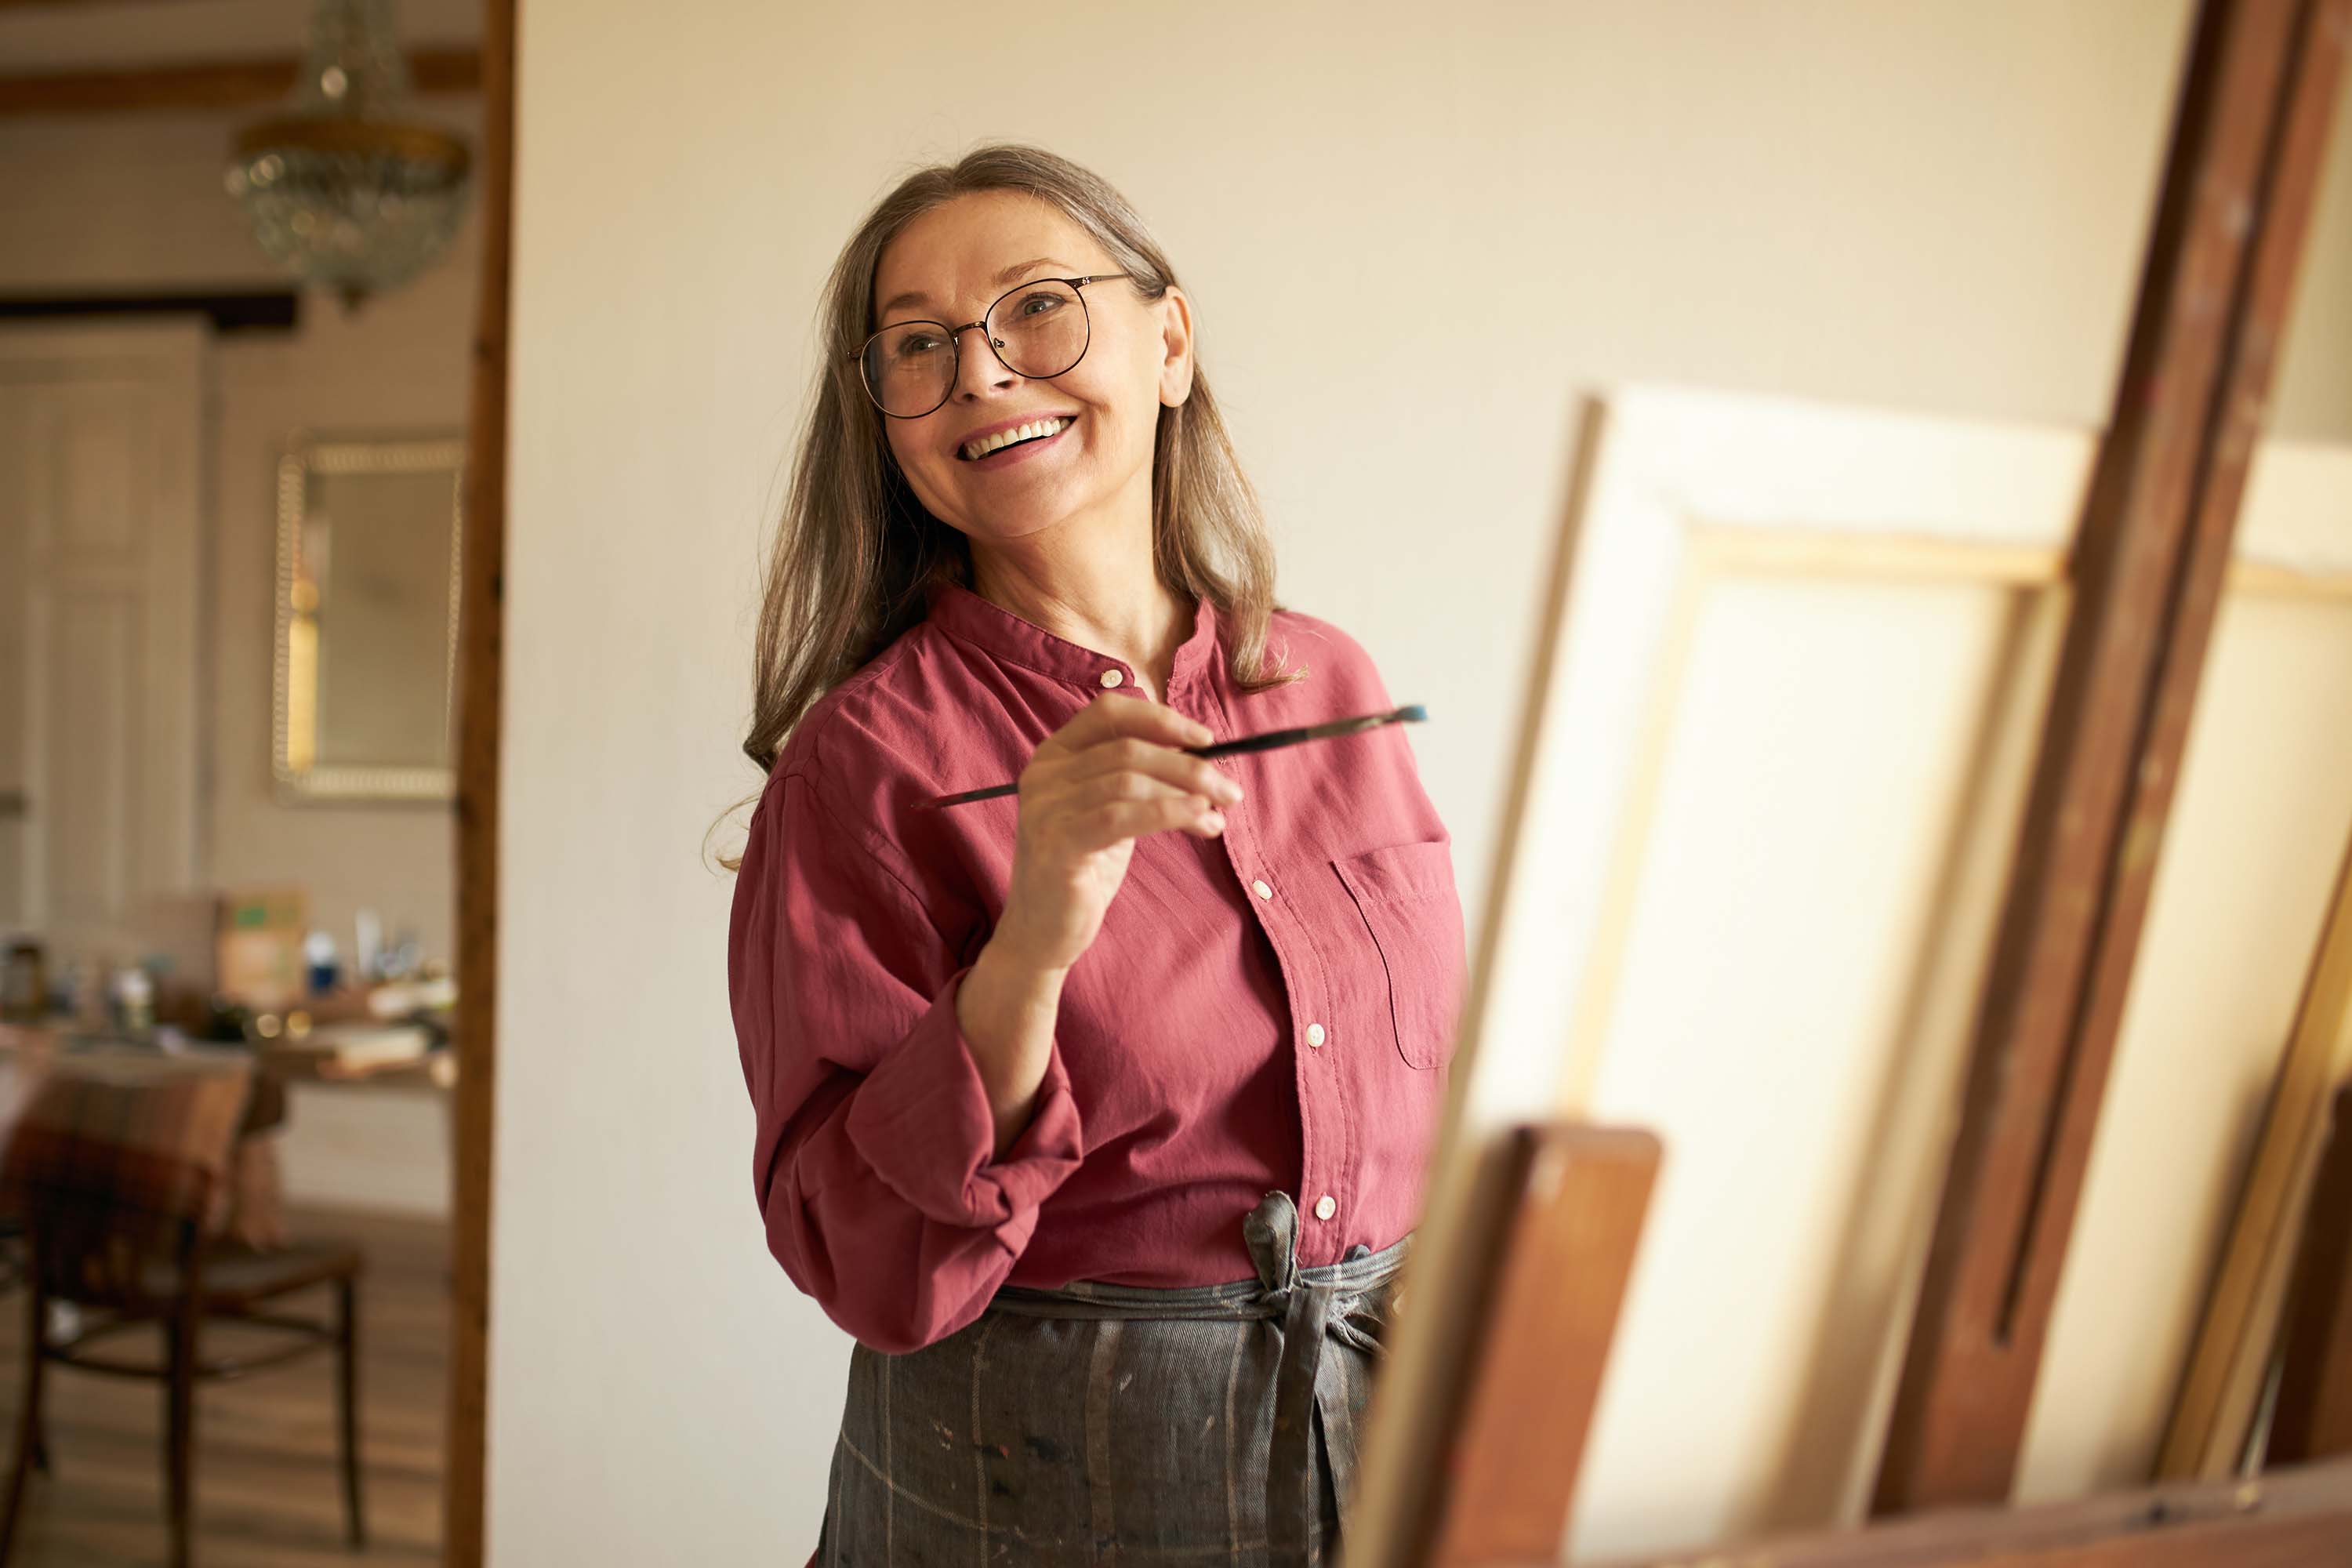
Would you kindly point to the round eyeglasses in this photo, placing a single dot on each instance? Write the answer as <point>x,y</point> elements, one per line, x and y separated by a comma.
<point>1038,331</point>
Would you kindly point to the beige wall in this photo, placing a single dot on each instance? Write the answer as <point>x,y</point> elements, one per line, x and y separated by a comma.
<point>1410,241</point>
<point>134,203</point>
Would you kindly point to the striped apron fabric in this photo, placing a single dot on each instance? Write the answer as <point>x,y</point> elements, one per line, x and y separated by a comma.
<point>1104,1423</point>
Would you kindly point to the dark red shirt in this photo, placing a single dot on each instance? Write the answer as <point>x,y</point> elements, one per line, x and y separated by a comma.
<point>1272,1008</point>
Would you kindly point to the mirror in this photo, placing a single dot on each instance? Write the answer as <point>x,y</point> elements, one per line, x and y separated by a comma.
<point>365,687</point>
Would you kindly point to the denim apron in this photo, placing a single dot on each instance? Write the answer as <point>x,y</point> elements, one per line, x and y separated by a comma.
<point>1107,1424</point>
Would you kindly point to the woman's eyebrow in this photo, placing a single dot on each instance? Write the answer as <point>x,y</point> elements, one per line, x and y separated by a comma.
<point>917,297</point>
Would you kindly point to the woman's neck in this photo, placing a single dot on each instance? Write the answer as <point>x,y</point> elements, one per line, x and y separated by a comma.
<point>1116,605</point>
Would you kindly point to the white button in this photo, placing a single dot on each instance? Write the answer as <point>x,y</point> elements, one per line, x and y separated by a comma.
<point>1324,1207</point>
<point>1112,678</point>
<point>1314,1033</point>
<point>1261,889</point>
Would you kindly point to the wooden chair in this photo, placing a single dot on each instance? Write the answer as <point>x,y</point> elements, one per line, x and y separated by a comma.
<point>116,1170</point>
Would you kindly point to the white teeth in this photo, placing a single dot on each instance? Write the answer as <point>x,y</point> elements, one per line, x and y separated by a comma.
<point>987,444</point>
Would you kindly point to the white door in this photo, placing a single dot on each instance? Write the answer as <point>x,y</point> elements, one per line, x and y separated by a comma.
<point>99,670</point>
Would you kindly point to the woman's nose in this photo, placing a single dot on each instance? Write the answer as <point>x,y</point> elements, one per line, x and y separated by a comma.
<point>977,369</point>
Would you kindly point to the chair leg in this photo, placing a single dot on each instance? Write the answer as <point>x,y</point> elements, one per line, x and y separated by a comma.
<point>179,1451</point>
<point>29,1414</point>
<point>37,1418</point>
<point>347,1357</point>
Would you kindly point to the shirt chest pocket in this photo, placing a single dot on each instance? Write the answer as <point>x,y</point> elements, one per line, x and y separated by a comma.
<point>1405,897</point>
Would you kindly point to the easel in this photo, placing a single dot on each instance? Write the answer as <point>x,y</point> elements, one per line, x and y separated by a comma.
<point>1553,1215</point>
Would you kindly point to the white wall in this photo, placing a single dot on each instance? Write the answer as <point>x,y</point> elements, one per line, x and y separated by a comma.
<point>1388,223</point>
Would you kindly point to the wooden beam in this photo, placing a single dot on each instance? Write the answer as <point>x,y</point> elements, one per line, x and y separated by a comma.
<point>225,84</point>
<point>228,310</point>
<point>480,661</point>
<point>2293,1519</point>
<point>1576,1198</point>
<point>2248,139</point>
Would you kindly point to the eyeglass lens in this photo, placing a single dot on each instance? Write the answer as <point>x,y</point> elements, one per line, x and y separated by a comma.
<point>1038,330</point>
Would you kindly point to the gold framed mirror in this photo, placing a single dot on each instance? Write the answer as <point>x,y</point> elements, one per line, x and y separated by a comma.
<point>370,532</point>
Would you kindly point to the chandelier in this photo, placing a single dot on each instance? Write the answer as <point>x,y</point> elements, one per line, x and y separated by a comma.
<point>346,189</point>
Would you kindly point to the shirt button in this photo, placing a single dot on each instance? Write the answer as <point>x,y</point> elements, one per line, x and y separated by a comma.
<point>1314,1033</point>
<point>1324,1207</point>
<point>1112,678</point>
<point>1261,889</point>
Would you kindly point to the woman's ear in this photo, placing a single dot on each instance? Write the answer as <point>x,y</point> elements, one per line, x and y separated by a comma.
<point>1176,347</point>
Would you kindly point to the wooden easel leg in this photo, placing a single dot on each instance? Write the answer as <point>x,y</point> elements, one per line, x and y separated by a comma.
<point>1569,1228</point>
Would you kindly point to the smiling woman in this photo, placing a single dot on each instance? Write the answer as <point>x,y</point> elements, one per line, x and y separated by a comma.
<point>1092,1113</point>
<point>883,502</point>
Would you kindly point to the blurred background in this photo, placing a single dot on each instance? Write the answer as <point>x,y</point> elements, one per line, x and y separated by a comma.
<point>228,526</point>
<point>231,462</point>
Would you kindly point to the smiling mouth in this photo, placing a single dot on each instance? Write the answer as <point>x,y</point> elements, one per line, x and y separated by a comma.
<point>1020,436</point>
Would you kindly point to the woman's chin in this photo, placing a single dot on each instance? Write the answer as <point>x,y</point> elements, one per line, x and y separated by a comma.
<point>1008,518</point>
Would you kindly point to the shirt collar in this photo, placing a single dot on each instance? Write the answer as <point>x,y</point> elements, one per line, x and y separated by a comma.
<point>969,619</point>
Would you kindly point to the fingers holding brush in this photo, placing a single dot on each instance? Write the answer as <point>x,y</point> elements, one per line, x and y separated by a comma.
<point>1115,772</point>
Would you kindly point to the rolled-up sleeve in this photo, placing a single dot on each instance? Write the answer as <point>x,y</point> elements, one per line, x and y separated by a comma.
<point>873,1155</point>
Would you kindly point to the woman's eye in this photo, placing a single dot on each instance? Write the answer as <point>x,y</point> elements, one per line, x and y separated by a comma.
<point>1040,304</point>
<point>922,343</point>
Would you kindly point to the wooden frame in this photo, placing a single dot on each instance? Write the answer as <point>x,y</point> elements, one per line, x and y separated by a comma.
<point>2290,1520</point>
<point>2287,556</point>
<point>2228,1365</point>
<point>306,454</point>
<point>2279,561</point>
<point>480,660</point>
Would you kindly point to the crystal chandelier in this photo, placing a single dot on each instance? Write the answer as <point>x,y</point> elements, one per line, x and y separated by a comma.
<point>346,188</point>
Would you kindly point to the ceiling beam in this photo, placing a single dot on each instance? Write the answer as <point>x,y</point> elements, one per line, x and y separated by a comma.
<point>226,84</point>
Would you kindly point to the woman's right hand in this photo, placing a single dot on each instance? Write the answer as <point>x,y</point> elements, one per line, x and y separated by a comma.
<point>1111,775</point>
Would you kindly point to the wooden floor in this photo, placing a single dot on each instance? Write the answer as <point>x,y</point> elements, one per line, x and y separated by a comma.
<point>267,1495</point>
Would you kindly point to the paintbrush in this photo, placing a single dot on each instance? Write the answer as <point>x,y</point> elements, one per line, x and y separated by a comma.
<point>1414,714</point>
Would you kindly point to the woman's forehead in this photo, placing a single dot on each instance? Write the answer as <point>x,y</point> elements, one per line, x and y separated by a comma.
<point>973,247</point>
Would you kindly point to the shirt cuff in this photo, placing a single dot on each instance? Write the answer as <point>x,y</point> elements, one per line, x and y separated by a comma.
<point>920,1120</point>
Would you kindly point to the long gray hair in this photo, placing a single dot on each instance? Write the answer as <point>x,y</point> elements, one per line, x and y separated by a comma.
<point>854,550</point>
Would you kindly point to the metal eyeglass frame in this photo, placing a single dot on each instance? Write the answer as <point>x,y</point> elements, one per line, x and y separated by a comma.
<point>995,345</point>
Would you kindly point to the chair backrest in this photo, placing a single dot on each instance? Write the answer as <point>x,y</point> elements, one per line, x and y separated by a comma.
<point>114,1163</point>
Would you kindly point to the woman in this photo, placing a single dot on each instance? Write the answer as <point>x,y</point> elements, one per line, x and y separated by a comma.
<point>1098,1113</point>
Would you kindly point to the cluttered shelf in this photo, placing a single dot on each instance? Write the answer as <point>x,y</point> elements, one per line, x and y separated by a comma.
<point>278,991</point>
